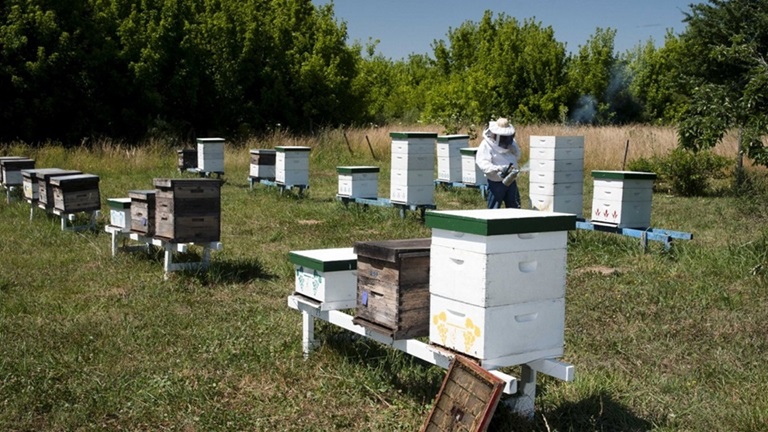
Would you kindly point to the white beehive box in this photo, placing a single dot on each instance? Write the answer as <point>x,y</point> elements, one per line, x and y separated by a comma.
<point>400,177</point>
<point>556,148</point>
<point>417,195</point>
<point>263,164</point>
<point>412,169</point>
<point>499,292</point>
<point>552,177</point>
<point>358,181</point>
<point>470,173</point>
<point>449,157</point>
<point>496,257</point>
<point>622,198</point>
<point>573,204</point>
<point>210,155</point>
<point>327,275</point>
<point>120,213</point>
<point>292,165</point>
<point>499,336</point>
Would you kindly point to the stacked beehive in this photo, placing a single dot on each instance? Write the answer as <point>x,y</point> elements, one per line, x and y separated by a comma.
<point>471,174</point>
<point>557,173</point>
<point>10,170</point>
<point>497,285</point>
<point>292,165</point>
<point>393,287</point>
<point>327,276</point>
<point>30,181</point>
<point>210,155</point>
<point>188,210</point>
<point>622,198</point>
<point>76,193</point>
<point>45,196</point>
<point>413,168</point>
<point>262,164</point>
<point>449,157</point>
<point>358,181</point>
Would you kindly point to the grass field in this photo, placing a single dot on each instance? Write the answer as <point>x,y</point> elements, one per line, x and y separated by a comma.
<point>667,341</point>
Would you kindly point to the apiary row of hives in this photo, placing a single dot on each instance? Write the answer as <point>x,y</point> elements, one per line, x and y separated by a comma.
<point>489,284</point>
<point>53,189</point>
<point>176,210</point>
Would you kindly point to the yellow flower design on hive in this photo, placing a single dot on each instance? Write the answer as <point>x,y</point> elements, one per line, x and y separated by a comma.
<point>440,321</point>
<point>471,333</point>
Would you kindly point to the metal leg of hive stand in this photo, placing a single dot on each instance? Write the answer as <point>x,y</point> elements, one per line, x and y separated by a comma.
<point>308,342</point>
<point>523,402</point>
<point>31,212</point>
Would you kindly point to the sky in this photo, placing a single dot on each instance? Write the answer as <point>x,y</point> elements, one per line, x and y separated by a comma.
<point>405,27</point>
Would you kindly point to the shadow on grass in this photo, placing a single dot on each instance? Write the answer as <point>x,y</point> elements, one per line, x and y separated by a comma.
<point>598,412</point>
<point>413,377</point>
<point>218,271</point>
<point>421,382</point>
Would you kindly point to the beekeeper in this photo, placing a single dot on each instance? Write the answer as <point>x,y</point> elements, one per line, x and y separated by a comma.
<point>497,157</point>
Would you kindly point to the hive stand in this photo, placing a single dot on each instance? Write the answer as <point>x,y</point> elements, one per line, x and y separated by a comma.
<point>10,193</point>
<point>205,174</point>
<point>448,185</point>
<point>167,246</point>
<point>69,217</point>
<point>644,234</point>
<point>522,390</point>
<point>281,186</point>
<point>386,202</point>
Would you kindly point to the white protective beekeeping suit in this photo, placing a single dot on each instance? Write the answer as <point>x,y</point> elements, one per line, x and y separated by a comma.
<point>498,149</point>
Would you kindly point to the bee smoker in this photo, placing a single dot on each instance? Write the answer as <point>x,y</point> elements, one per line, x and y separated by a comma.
<point>509,174</point>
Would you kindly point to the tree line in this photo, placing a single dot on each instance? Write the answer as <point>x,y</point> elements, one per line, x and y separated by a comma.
<point>72,69</point>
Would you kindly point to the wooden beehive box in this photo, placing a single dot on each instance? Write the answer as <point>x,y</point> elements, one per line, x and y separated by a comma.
<point>292,165</point>
<point>467,399</point>
<point>393,287</point>
<point>11,170</point>
<point>188,210</point>
<point>45,197</point>
<point>263,164</point>
<point>187,158</point>
<point>142,211</point>
<point>6,158</point>
<point>29,181</point>
<point>76,193</point>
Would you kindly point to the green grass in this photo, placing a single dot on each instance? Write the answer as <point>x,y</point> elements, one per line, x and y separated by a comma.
<point>660,340</point>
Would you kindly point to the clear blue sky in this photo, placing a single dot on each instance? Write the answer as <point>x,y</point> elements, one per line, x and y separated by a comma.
<point>406,27</point>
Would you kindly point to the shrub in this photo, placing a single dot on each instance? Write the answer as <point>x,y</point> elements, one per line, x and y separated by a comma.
<point>685,172</point>
<point>689,173</point>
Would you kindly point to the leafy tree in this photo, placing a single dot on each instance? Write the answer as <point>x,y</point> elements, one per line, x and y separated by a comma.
<point>727,46</point>
<point>497,67</point>
<point>657,82</point>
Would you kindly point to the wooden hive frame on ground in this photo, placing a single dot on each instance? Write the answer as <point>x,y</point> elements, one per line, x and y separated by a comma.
<point>393,287</point>
<point>467,399</point>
